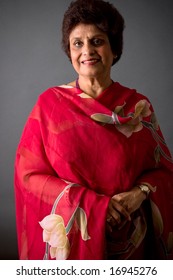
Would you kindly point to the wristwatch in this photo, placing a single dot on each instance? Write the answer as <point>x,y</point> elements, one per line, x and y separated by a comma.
<point>145,189</point>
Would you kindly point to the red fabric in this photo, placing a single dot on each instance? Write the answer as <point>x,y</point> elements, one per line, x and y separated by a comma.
<point>66,141</point>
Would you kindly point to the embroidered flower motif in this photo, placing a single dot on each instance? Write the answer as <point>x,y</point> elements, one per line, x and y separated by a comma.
<point>119,110</point>
<point>126,124</point>
<point>157,219</point>
<point>54,233</point>
<point>154,121</point>
<point>135,124</point>
<point>81,220</point>
<point>142,109</point>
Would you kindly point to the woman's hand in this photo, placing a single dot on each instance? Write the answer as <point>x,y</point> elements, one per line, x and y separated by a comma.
<point>122,205</point>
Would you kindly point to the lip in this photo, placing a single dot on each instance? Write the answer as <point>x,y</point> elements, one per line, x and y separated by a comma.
<point>91,61</point>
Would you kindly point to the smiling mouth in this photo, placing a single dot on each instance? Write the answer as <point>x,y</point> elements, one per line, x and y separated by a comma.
<point>92,61</point>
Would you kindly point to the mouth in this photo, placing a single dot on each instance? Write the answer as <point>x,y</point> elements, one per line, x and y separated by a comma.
<point>92,61</point>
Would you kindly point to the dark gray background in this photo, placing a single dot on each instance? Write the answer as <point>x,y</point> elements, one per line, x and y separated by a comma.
<point>31,60</point>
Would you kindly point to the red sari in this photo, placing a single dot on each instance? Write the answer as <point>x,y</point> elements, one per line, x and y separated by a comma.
<point>75,153</point>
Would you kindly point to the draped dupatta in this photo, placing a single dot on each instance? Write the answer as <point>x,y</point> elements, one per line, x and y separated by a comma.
<point>75,153</point>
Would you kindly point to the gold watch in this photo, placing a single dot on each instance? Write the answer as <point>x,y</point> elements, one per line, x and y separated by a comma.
<point>145,189</point>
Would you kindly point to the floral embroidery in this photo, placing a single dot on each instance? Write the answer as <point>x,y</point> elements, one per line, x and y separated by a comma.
<point>134,122</point>
<point>55,232</point>
<point>158,227</point>
<point>157,219</point>
<point>126,124</point>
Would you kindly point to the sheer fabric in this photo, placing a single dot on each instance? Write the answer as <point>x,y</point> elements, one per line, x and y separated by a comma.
<point>74,154</point>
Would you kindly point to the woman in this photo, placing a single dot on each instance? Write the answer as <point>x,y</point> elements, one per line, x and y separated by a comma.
<point>93,174</point>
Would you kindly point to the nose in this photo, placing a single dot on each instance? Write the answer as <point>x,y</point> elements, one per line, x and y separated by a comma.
<point>88,49</point>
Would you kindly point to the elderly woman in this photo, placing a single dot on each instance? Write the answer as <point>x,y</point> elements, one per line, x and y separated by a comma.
<point>93,174</point>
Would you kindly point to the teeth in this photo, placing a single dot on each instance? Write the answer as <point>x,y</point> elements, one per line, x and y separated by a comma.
<point>87,61</point>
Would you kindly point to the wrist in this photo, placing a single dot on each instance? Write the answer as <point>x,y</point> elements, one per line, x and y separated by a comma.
<point>144,189</point>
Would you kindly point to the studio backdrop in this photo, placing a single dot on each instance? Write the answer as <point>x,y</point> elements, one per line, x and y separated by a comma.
<point>31,60</point>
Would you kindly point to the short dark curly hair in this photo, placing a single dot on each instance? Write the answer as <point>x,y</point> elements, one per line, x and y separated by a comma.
<point>100,13</point>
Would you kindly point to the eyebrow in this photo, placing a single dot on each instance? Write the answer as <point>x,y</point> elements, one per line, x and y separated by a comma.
<point>95,35</point>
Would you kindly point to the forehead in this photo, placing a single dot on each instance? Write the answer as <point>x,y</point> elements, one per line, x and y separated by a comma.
<point>86,30</point>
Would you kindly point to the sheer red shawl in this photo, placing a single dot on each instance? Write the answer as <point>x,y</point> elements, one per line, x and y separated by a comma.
<point>74,154</point>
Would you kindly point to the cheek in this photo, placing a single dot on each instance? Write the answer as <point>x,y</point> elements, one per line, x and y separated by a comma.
<point>108,56</point>
<point>75,63</point>
<point>74,56</point>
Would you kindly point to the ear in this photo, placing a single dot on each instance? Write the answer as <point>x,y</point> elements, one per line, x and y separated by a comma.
<point>114,59</point>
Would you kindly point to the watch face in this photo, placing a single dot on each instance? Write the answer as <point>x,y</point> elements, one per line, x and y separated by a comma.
<point>145,188</point>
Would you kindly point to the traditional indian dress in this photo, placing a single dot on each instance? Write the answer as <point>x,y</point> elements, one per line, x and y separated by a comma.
<point>75,153</point>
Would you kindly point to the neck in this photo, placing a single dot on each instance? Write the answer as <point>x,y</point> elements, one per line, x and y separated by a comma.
<point>92,86</point>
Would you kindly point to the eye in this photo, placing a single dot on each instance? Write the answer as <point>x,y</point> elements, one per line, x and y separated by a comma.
<point>97,42</point>
<point>77,44</point>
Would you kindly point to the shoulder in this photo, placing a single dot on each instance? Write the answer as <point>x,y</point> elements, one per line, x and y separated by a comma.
<point>54,93</point>
<point>130,93</point>
<point>52,98</point>
<point>54,90</point>
<point>133,100</point>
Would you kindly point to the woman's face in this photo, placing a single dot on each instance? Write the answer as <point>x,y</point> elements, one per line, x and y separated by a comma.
<point>90,51</point>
